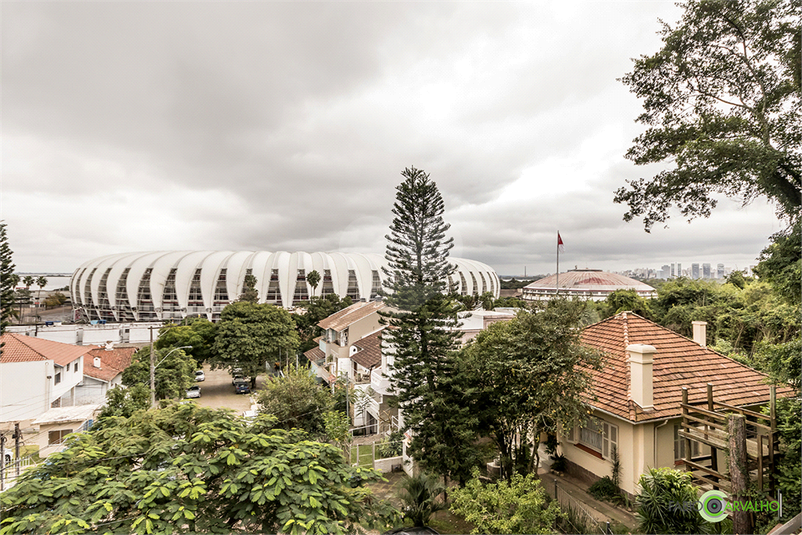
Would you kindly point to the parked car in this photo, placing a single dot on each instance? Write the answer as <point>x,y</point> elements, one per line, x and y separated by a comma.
<point>193,392</point>
<point>242,386</point>
<point>199,375</point>
<point>237,379</point>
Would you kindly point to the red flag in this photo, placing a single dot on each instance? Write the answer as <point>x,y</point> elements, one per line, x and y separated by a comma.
<point>560,244</point>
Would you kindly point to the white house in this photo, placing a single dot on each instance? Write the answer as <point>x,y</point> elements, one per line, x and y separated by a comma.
<point>103,370</point>
<point>37,375</point>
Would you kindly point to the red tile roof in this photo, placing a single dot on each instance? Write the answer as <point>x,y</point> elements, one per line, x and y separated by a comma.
<point>345,317</point>
<point>369,352</point>
<point>315,353</point>
<point>19,348</point>
<point>112,363</point>
<point>679,362</point>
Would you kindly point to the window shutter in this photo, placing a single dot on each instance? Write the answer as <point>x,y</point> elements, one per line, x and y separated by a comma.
<point>606,441</point>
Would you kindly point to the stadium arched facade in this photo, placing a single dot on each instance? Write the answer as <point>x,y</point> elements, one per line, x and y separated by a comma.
<point>171,285</point>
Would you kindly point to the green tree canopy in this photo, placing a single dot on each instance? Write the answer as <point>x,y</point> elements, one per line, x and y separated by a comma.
<point>297,401</point>
<point>249,292</point>
<point>250,335</point>
<point>175,372</point>
<point>527,376</point>
<point>199,334</point>
<point>723,104</point>
<point>187,469</point>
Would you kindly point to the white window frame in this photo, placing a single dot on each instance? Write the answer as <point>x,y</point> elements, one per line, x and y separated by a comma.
<point>608,435</point>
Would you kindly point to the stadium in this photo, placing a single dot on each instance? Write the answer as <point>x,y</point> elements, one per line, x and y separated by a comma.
<point>172,285</point>
<point>593,284</point>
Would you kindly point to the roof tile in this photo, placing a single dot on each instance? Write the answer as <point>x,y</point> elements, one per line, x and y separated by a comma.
<point>679,362</point>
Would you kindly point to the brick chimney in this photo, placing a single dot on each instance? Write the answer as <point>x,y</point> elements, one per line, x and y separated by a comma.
<point>700,332</point>
<point>641,357</point>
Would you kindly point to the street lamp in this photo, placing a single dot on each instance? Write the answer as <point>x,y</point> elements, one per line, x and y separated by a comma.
<point>153,368</point>
<point>171,351</point>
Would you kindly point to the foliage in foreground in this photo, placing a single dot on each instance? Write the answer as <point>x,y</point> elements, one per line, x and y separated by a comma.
<point>518,506</point>
<point>419,495</point>
<point>186,469</point>
<point>661,489</point>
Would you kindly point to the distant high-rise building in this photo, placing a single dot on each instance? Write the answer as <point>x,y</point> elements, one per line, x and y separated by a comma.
<point>679,269</point>
<point>720,271</point>
<point>706,271</point>
<point>673,269</point>
<point>666,272</point>
<point>694,270</point>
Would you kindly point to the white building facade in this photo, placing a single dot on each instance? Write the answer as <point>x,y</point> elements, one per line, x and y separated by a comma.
<point>174,285</point>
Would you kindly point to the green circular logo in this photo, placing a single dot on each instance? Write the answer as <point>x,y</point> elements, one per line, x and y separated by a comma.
<point>713,506</point>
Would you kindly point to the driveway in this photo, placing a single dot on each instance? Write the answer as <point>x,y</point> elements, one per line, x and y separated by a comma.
<point>217,392</point>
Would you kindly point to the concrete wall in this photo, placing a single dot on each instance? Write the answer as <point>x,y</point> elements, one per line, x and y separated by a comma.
<point>93,391</point>
<point>69,380</point>
<point>641,447</point>
<point>24,391</point>
<point>90,334</point>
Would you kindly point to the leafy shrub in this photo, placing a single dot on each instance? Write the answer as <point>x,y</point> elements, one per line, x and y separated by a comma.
<point>604,489</point>
<point>520,506</point>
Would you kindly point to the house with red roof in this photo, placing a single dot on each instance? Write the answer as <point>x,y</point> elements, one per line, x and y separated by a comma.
<point>37,375</point>
<point>635,402</point>
<point>103,370</point>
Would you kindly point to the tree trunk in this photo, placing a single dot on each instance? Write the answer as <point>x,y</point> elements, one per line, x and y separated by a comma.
<point>739,475</point>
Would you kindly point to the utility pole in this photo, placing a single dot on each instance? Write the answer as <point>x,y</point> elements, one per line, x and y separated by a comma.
<point>2,462</point>
<point>152,372</point>
<point>17,437</point>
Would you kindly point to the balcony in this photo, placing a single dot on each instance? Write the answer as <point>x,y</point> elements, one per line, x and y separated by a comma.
<point>380,382</point>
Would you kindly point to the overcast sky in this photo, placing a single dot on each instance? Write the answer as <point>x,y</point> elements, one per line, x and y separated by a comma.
<point>136,126</point>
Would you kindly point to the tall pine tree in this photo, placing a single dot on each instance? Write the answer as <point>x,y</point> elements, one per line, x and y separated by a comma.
<point>423,335</point>
<point>7,280</point>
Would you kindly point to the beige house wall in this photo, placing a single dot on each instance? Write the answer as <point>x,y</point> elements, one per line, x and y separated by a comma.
<point>640,446</point>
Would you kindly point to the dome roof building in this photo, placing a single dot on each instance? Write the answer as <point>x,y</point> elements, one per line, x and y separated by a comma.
<point>592,284</point>
<point>170,285</point>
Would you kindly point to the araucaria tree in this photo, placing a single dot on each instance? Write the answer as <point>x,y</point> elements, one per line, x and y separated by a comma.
<point>422,337</point>
<point>723,106</point>
<point>7,280</point>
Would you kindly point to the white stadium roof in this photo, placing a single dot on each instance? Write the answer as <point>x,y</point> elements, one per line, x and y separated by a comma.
<point>169,285</point>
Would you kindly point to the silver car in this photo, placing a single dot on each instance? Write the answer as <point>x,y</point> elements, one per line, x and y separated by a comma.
<point>200,376</point>
<point>193,392</point>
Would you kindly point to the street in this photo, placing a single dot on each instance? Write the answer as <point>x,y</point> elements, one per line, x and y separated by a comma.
<point>217,392</point>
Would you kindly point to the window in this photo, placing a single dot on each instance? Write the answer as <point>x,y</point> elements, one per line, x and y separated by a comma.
<point>76,365</point>
<point>600,436</point>
<point>679,445</point>
<point>57,437</point>
<point>58,378</point>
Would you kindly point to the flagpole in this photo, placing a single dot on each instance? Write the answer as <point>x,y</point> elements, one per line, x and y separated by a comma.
<point>558,263</point>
